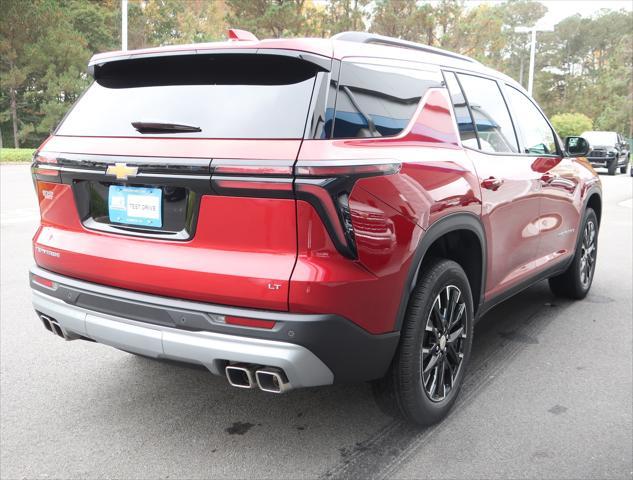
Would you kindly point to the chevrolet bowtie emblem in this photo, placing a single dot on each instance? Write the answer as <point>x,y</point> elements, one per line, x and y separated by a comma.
<point>121,171</point>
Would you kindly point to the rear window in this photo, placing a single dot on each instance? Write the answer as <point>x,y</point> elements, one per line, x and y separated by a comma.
<point>222,96</point>
<point>378,100</point>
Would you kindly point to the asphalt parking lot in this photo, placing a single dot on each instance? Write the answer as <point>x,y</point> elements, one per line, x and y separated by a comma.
<point>548,393</point>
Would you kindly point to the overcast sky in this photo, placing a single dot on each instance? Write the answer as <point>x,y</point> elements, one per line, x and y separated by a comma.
<point>557,10</point>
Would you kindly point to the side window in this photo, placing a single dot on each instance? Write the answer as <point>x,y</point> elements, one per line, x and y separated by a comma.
<point>376,100</point>
<point>490,114</point>
<point>537,135</point>
<point>462,114</point>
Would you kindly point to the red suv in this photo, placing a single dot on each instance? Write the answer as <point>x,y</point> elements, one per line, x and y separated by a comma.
<point>293,213</point>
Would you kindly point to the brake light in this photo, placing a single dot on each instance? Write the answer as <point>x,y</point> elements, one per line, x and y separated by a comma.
<point>44,167</point>
<point>326,185</point>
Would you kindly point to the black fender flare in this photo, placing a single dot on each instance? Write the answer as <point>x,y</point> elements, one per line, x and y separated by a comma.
<point>594,189</point>
<point>447,224</point>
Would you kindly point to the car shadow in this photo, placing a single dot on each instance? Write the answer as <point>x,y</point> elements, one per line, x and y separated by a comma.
<point>190,400</point>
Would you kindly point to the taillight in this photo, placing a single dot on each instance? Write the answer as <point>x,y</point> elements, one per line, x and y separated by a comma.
<point>45,167</point>
<point>326,185</point>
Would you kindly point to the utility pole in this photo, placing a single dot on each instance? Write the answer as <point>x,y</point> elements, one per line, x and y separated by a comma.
<point>532,55</point>
<point>533,31</point>
<point>123,25</point>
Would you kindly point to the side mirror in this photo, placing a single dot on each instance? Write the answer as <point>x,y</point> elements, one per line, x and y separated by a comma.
<point>576,146</point>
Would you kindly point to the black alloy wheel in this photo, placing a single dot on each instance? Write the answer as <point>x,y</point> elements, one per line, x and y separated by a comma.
<point>443,343</point>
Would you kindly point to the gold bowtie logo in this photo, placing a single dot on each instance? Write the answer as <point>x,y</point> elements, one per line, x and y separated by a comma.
<point>121,171</point>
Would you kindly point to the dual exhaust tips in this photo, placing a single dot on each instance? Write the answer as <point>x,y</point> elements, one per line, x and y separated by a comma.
<point>52,326</point>
<point>268,379</point>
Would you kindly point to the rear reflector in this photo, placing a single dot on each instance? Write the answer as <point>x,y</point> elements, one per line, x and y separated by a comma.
<point>45,282</point>
<point>249,322</point>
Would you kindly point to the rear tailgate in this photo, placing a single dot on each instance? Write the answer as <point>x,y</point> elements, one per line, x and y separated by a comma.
<point>148,211</point>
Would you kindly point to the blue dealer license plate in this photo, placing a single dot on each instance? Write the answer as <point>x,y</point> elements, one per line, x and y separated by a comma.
<point>135,206</point>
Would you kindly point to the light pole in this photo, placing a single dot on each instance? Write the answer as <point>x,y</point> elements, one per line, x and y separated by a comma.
<point>123,25</point>
<point>533,31</point>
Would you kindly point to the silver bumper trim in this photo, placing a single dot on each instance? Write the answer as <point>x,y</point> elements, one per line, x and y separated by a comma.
<point>303,368</point>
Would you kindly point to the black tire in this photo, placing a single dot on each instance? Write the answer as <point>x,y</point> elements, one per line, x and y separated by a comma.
<point>612,166</point>
<point>407,389</point>
<point>576,281</point>
<point>624,168</point>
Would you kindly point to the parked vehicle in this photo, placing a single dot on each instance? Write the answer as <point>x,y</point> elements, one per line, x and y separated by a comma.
<point>609,150</point>
<point>298,212</point>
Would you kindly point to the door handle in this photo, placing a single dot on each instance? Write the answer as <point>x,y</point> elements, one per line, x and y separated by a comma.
<point>492,183</point>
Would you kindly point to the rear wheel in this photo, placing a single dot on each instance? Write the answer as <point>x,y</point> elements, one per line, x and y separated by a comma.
<point>576,281</point>
<point>428,370</point>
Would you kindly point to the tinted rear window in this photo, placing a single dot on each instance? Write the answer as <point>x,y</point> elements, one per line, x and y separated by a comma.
<point>376,100</point>
<point>226,96</point>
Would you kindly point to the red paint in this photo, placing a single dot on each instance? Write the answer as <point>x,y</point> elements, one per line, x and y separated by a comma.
<point>275,253</point>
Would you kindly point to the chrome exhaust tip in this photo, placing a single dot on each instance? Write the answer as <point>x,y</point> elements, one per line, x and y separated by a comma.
<point>52,326</point>
<point>47,322</point>
<point>273,380</point>
<point>240,375</point>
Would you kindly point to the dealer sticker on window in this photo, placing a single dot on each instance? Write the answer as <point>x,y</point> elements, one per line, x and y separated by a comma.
<point>135,206</point>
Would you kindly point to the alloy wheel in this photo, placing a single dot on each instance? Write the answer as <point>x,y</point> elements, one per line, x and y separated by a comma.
<point>443,343</point>
<point>588,254</point>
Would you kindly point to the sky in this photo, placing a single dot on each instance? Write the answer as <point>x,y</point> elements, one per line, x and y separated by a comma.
<point>557,10</point>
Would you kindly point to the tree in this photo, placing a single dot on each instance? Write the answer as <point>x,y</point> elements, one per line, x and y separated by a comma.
<point>583,66</point>
<point>272,18</point>
<point>571,124</point>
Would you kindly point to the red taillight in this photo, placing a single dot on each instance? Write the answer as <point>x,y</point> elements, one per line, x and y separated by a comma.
<point>45,282</point>
<point>249,322</point>
<point>325,184</point>
<point>44,167</point>
<point>349,169</point>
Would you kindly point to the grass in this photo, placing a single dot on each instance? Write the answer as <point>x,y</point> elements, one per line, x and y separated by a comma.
<point>13,155</point>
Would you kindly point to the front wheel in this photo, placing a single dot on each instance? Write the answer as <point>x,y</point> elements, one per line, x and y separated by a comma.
<point>576,281</point>
<point>436,338</point>
<point>624,168</point>
<point>612,166</point>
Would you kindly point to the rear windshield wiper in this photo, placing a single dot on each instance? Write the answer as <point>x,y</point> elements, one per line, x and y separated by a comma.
<point>158,127</point>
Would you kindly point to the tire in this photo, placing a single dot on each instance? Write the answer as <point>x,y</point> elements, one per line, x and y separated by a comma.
<point>407,391</point>
<point>576,281</point>
<point>612,167</point>
<point>624,168</point>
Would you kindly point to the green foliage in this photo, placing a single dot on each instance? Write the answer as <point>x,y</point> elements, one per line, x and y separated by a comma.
<point>583,66</point>
<point>571,124</point>
<point>8,155</point>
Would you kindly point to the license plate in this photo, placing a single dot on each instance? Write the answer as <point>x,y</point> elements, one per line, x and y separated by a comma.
<point>135,206</point>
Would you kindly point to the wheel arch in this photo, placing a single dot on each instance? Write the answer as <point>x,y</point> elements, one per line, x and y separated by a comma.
<point>440,237</point>
<point>594,201</point>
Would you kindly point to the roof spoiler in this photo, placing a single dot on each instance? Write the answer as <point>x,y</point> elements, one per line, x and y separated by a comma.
<point>235,35</point>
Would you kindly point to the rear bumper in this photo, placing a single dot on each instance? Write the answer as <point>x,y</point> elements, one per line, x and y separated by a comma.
<point>311,349</point>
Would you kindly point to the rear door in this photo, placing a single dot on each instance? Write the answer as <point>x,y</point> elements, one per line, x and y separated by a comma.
<point>561,197</point>
<point>173,176</point>
<point>509,186</point>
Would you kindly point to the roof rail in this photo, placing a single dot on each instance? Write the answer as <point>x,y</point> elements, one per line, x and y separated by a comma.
<point>364,37</point>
